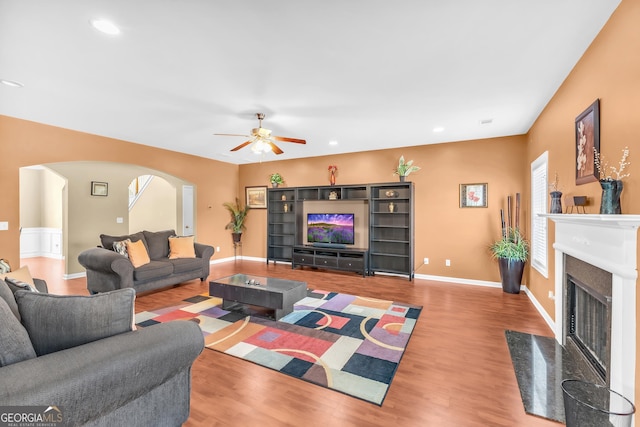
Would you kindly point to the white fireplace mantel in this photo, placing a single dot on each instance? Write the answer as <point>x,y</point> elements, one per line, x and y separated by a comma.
<point>610,243</point>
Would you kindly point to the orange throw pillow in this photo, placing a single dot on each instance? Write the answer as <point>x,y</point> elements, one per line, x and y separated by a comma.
<point>138,254</point>
<point>181,247</point>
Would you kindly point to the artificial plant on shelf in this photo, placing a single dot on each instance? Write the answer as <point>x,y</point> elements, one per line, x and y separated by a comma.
<point>610,179</point>
<point>276,179</point>
<point>511,250</point>
<point>405,168</point>
<point>238,217</point>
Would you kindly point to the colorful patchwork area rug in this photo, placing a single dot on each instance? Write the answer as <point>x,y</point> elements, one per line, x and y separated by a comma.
<point>343,342</point>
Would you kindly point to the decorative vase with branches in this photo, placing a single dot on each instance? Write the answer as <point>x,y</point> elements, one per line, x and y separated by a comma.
<point>610,179</point>
<point>511,250</point>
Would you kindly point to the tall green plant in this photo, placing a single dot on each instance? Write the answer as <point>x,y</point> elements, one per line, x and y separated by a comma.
<point>238,215</point>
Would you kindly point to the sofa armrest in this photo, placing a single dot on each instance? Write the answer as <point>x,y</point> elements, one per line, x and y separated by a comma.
<point>41,285</point>
<point>203,251</point>
<point>95,378</point>
<point>103,262</point>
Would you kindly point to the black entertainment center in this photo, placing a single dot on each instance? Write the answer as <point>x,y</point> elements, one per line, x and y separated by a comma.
<point>384,227</point>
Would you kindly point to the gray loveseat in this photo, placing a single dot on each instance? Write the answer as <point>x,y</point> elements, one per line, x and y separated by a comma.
<point>108,270</point>
<point>77,360</point>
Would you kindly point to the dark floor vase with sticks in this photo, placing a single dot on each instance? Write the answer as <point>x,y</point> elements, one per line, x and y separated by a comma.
<point>511,274</point>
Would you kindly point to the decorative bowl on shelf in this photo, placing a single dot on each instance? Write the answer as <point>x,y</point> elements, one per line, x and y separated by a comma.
<point>391,193</point>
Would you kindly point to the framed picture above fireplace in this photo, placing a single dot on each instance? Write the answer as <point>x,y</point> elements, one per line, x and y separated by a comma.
<point>587,130</point>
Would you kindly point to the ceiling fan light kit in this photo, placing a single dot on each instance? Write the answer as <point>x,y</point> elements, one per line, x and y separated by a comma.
<point>261,140</point>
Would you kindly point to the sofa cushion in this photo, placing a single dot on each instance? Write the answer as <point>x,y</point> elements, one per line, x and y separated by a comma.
<point>107,241</point>
<point>181,247</point>
<point>7,295</point>
<point>137,253</point>
<point>153,270</point>
<point>158,243</point>
<point>182,265</point>
<point>15,345</point>
<point>58,322</point>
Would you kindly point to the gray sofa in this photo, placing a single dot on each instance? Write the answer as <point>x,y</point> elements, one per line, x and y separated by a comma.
<point>108,270</point>
<point>76,357</point>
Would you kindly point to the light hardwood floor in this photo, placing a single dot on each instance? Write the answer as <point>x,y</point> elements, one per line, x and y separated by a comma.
<point>456,370</point>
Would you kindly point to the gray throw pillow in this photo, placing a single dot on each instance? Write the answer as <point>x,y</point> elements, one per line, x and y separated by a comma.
<point>107,241</point>
<point>19,285</point>
<point>58,322</point>
<point>15,345</point>
<point>158,243</point>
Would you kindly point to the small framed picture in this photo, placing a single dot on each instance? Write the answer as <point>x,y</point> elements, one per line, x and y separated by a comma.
<point>587,143</point>
<point>256,197</point>
<point>99,188</point>
<point>473,195</point>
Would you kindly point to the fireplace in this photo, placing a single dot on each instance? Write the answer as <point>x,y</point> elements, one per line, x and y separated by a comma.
<point>587,314</point>
<point>596,273</point>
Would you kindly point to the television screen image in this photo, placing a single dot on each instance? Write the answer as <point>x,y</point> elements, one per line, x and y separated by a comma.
<point>335,228</point>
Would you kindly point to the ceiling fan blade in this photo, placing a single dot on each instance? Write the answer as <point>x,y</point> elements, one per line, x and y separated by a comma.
<point>244,144</point>
<point>285,139</point>
<point>275,148</point>
<point>232,134</point>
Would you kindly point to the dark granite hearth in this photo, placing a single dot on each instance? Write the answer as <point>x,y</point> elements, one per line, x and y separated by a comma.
<point>540,364</point>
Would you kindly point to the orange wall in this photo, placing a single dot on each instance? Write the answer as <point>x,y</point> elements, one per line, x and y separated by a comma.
<point>24,143</point>
<point>610,71</point>
<point>442,229</point>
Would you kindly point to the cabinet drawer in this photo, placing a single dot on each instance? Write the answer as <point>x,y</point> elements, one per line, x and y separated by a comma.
<point>305,259</point>
<point>323,261</point>
<point>355,264</point>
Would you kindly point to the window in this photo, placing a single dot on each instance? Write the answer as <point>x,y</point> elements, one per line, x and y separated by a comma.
<point>539,187</point>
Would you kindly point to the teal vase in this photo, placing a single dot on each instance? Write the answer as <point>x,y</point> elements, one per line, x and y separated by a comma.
<point>611,192</point>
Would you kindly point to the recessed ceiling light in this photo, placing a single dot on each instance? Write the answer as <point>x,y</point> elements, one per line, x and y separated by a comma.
<point>438,129</point>
<point>486,121</point>
<point>333,142</point>
<point>105,26</point>
<point>11,83</point>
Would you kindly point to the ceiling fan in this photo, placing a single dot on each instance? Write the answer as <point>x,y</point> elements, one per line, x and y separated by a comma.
<point>262,139</point>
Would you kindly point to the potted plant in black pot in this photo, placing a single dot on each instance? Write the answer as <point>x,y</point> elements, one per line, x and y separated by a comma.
<point>405,168</point>
<point>511,250</point>
<point>238,216</point>
<point>276,179</point>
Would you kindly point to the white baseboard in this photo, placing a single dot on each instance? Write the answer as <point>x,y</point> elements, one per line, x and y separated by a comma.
<point>540,309</point>
<point>74,275</point>
<point>459,280</point>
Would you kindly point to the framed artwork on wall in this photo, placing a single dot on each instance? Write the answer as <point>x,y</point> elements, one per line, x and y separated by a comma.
<point>256,197</point>
<point>99,188</point>
<point>473,195</point>
<point>587,128</point>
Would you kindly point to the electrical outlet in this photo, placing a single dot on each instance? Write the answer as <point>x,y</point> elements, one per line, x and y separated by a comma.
<point>447,262</point>
<point>426,261</point>
<point>217,248</point>
<point>4,225</point>
<point>551,295</point>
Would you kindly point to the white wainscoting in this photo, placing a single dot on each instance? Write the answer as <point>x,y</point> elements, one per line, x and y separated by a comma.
<point>41,242</point>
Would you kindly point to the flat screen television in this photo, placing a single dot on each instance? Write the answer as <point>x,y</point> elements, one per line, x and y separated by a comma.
<point>333,228</point>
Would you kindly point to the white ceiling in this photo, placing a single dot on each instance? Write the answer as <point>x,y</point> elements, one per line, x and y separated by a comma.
<point>370,74</point>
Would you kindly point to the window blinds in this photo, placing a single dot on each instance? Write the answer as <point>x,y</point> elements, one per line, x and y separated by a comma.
<point>539,205</point>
